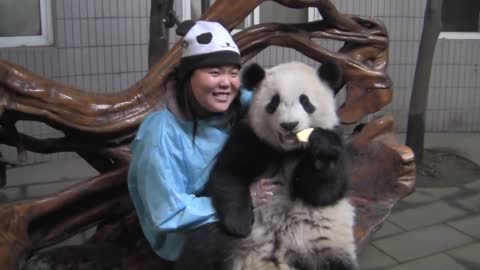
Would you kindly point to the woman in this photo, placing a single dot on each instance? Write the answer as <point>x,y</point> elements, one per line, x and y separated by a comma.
<point>175,148</point>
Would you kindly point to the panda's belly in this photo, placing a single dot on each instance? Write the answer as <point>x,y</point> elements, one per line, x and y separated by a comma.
<point>279,238</point>
<point>285,227</point>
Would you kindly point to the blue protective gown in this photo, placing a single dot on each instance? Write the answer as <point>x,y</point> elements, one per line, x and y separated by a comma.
<point>166,172</point>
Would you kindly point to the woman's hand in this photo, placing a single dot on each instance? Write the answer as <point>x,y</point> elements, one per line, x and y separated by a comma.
<point>262,192</point>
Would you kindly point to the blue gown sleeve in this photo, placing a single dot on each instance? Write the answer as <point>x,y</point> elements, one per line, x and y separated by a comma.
<point>158,186</point>
<point>245,96</point>
<point>168,206</point>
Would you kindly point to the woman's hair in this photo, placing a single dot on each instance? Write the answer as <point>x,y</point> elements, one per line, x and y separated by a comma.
<point>186,102</point>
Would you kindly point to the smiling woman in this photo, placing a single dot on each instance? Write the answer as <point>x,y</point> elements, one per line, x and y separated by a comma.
<point>175,148</point>
<point>214,89</point>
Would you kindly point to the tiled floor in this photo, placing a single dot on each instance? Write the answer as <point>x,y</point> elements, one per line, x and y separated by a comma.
<point>433,228</point>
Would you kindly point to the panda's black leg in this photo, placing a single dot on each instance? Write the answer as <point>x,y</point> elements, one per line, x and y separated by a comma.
<point>231,199</point>
<point>319,262</point>
<point>206,248</point>
<point>194,257</point>
<point>336,264</point>
<point>200,250</point>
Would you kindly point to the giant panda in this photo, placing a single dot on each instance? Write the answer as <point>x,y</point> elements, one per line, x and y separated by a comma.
<point>309,223</point>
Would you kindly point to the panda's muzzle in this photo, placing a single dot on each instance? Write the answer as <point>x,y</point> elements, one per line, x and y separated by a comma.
<point>288,137</point>
<point>289,126</point>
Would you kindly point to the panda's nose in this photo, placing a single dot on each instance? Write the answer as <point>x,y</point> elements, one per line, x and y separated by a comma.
<point>289,126</point>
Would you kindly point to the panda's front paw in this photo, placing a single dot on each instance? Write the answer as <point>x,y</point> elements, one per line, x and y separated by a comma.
<point>238,224</point>
<point>325,145</point>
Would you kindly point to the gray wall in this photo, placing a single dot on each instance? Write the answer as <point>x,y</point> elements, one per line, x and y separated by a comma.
<point>101,45</point>
<point>454,102</point>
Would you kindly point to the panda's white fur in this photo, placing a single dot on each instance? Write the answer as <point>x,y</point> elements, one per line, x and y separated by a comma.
<point>283,226</point>
<point>277,233</point>
<point>290,80</point>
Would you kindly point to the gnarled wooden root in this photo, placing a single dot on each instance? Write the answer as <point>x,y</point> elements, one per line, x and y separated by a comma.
<point>382,170</point>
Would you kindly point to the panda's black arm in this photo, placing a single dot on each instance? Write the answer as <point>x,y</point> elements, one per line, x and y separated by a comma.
<point>321,177</point>
<point>241,161</point>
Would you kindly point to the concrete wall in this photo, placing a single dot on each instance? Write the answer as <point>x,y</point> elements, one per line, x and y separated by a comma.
<point>100,45</point>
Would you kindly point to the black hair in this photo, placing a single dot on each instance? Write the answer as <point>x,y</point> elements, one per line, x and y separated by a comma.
<point>186,102</point>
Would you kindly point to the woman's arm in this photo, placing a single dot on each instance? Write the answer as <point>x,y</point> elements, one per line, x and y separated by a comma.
<point>157,184</point>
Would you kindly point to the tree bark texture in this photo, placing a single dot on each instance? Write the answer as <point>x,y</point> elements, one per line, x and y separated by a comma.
<point>99,127</point>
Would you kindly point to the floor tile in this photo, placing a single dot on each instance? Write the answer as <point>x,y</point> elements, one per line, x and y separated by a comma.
<point>387,229</point>
<point>12,194</point>
<point>424,195</point>
<point>469,225</point>
<point>471,203</point>
<point>475,185</point>
<point>437,262</point>
<point>421,242</point>
<point>469,254</point>
<point>48,172</point>
<point>372,258</point>
<point>422,216</point>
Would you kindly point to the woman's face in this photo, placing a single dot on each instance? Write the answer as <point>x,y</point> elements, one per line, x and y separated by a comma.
<point>214,88</point>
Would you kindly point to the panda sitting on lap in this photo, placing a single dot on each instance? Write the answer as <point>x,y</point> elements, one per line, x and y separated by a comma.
<point>309,223</point>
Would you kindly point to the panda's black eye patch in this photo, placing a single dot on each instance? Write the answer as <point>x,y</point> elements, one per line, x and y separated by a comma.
<point>306,104</point>
<point>273,104</point>
<point>204,38</point>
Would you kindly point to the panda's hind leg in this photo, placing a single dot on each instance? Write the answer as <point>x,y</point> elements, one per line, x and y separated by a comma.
<point>336,264</point>
<point>206,248</point>
<point>319,261</point>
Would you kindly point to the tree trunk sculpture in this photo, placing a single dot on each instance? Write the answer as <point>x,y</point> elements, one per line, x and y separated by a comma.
<point>99,127</point>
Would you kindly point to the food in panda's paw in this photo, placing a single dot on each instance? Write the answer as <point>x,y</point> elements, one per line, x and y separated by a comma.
<point>304,134</point>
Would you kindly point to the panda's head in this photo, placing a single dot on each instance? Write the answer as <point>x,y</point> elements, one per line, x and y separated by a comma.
<point>206,44</point>
<point>290,97</point>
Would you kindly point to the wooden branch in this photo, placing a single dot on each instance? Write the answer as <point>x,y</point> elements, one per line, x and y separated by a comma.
<point>27,226</point>
<point>69,109</point>
<point>48,145</point>
<point>108,115</point>
<point>382,172</point>
<point>110,120</point>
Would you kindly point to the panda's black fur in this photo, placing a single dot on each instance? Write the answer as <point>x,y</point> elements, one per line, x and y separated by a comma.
<point>309,223</point>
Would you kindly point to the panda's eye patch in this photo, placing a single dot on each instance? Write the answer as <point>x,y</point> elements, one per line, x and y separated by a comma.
<point>204,38</point>
<point>273,104</point>
<point>307,106</point>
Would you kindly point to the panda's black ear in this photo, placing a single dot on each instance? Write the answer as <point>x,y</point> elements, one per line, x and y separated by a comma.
<point>252,75</point>
<point>184,27</point>
<point>332,74</point>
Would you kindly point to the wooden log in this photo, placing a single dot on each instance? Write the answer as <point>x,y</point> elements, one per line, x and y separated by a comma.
<point>382,172</point>
<point>111,120</point>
